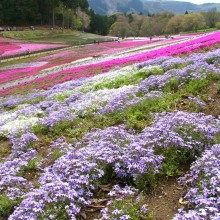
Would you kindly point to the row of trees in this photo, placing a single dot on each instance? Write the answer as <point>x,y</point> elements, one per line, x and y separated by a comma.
<point>42,12</point>
<point>76,14</point>
<point>163,23</point>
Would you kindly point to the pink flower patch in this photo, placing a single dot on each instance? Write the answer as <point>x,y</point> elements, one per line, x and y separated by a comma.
<point>30,47</point>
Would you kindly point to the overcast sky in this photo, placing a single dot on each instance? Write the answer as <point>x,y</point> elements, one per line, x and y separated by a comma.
<point>200,1</point>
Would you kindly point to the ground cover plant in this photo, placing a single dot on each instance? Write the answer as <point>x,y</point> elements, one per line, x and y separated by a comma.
<point>124,129</point>
<point>66,36</point>
<point>66,73</point>
<point>9,47</point>
<point>22,70</point>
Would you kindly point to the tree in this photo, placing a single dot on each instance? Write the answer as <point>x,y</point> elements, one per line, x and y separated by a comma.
<point>71,10</point>
<point>212,17</point>
<point>146,27</point>
<point>1,14</point>
<point>193,22</point>
<point>53,5</point>
<point>84,19</point>
<point>121,28</point>
<point>74,4</point>
<point>98,23</point>
<point>19,12</point>
<point>175,24</point>
<point>136,23</point>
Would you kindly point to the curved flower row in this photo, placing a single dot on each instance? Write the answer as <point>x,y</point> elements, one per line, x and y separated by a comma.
<point>101,67</point>
<point>101,94</point>
<point>67,184</point>
<point>15,72</point>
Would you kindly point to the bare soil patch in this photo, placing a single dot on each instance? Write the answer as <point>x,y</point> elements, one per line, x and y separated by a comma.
<point>164,201</point>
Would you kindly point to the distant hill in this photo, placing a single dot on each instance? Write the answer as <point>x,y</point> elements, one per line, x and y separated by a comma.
<point>144,6</point>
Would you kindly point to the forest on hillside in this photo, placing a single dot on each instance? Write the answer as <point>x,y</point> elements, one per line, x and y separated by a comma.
<point>77,15</point>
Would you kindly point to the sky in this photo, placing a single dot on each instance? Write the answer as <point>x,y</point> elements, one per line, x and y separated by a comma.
<point>200,1</point>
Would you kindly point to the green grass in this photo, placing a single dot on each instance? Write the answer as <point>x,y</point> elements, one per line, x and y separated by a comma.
<point>54,36</point>
<point>200,30</point>
<point>7,205</point>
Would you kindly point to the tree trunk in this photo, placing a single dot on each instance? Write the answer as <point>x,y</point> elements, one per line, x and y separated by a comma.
<point>53,18</point>
<point>63,19</point>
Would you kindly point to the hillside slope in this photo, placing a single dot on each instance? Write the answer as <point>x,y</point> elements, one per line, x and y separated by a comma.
<point>145,6</point>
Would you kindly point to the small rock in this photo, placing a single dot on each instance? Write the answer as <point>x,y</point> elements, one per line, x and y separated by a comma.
<point>182,202</point>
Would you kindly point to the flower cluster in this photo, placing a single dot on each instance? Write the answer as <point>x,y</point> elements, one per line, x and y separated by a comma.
<point>122,203</point>
<point>203,187</point>
<point>13,185</point>
<point>20,48</point>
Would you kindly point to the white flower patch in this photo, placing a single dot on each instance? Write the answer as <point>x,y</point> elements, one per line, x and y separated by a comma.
<point>6,117</point>
<point>10,121</point>
<point>22,106</point>
<point>91,83</point>
<point>96,80</point>
<point>18,124</point>
<point>96,100</point>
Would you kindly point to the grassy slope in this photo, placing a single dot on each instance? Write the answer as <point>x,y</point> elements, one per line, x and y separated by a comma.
<point>53,36</point>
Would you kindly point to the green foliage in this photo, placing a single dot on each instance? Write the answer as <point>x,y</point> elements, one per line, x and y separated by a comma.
<point>100,24</point>
<point>139,116</point>
<point>173,161</point>
<point>172,86</point>
<point>60,97</point>
<point>36,12</point>
<point>154,70</point>
<point>210,60</point>
<point>131,206</point>
<point>7,205</point>
<point>146,181</point>
<point>32,165</point>
<point>56,153</point>
<point>58,128</point>
<point>40,129</point>
<point>137,119</point>
<point>116,83</point>
<point>109,174</point>
<point>57,210</point>
<point>36,100</point>
<point>196,86</point>
<point>218,25</point>
<point>196,107</point>
<point>31,170</point>
<point>3,137</point>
